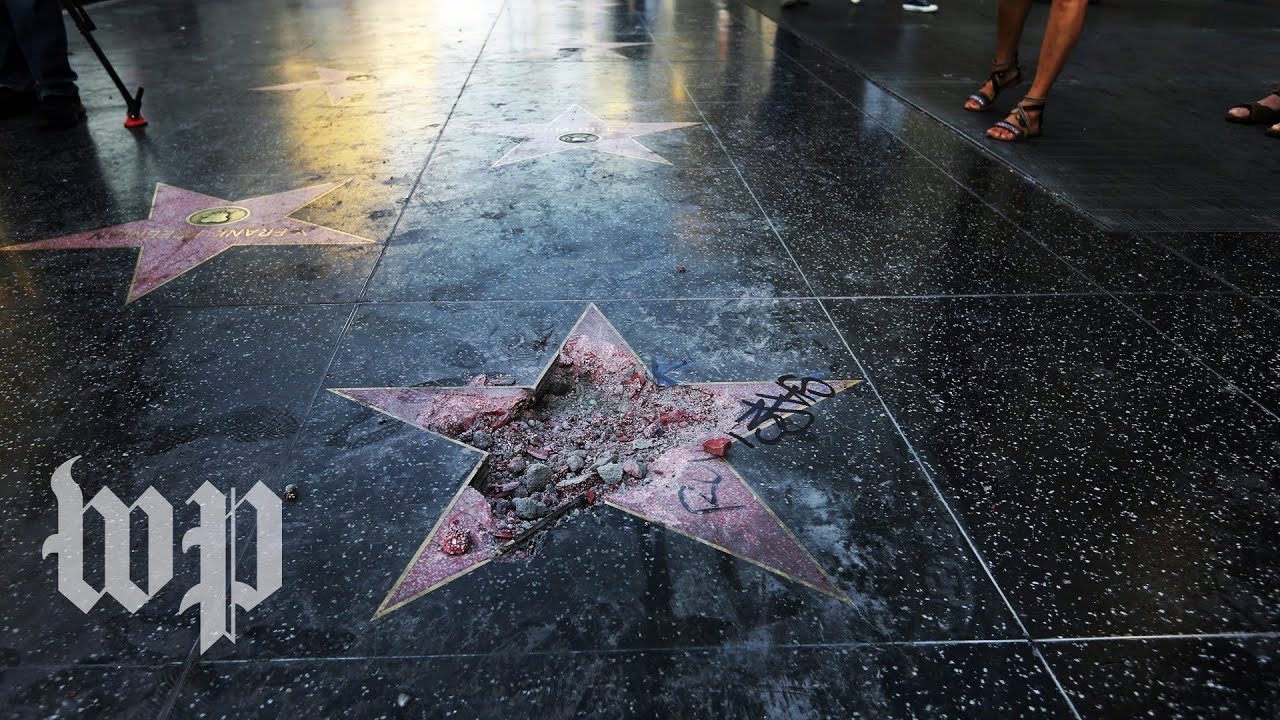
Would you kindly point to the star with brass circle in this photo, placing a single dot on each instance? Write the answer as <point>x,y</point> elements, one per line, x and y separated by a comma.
<point>578,129</point>
<point>186,229</point>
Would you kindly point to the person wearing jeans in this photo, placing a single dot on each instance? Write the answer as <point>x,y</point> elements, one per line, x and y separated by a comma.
<point>34,70</point>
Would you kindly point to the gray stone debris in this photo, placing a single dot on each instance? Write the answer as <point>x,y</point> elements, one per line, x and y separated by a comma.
<point>529,509</point>
<point>610,473</point>
<point>536,476</point>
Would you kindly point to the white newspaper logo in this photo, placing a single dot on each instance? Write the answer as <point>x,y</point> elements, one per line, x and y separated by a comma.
<point>214,595</point>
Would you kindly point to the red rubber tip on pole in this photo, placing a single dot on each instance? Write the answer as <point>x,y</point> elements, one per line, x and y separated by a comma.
<point>135,122</point>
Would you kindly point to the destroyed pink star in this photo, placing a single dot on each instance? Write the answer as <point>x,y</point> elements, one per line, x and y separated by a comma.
<point>596,429</point>
<point>185,229</point>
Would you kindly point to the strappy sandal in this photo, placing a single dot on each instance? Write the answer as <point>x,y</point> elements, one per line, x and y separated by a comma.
<point>1021,115</point>
<point>1003,76</point>
<point>1259,114</point>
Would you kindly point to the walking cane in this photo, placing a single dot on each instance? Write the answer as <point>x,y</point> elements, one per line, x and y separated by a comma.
<point>133,103</point>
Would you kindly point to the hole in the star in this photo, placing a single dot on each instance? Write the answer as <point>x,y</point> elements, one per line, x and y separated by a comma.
<point>599,425</point>
<point>222,215</point>
<point>578,138</point>
<point>359,78</point>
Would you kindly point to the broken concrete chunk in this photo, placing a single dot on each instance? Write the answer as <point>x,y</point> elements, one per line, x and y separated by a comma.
<point>536,476</point>
<point>456,539</point>
<point>717,446</point>
<point>529,509</point>
<point>635,469</point>
<point>574,484</point>
<point>610,473</point>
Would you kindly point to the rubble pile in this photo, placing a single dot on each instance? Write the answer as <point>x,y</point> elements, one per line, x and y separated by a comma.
<point>597,423</point>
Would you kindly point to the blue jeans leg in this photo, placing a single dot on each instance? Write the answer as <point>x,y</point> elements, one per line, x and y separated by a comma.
<point>35,31</point>
<point>14,74</point>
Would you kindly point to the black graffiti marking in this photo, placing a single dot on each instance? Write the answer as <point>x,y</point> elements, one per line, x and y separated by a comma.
<point>772,417</point>
<point>712,500</point>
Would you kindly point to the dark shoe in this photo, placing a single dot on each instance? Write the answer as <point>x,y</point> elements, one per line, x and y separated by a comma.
<point>1003,76</point>
<point>16,102</point>
<point>1258,114</point>
<point>62,111</point>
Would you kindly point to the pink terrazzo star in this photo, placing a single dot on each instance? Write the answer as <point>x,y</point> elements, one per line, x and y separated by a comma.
<point>185,229</point>
<point>577,129</point>
<point>596,386</point>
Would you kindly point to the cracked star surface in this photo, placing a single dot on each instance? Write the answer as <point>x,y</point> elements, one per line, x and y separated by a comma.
<point>540,140</point>
<point>594,396</point>
<point>173,240</point>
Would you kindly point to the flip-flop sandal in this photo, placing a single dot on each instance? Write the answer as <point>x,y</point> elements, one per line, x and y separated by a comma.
<point>1022,130</point>
<point>1002,78</point>
<point>1259,114</point>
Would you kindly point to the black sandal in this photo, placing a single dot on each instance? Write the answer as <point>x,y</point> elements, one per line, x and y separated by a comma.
<point>1259,114</point>
<point>1022,130</point>
<point>1000,80</point>
<point>1273,131</point>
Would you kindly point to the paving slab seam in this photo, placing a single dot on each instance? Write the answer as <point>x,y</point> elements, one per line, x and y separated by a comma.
<point>1261,301</point>
<point>430,154</point>
<point>1260,635</point>
<point>885,405</point>
<point>694,298</point>
<point>194,654</point>
<point>863,372</point>
<point>1116,297</point>
<point>699,650</point>
<point>1243,636</point>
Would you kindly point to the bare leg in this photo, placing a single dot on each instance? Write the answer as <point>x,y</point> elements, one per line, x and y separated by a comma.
<point>1066,20</point>
<point>1011,17</point>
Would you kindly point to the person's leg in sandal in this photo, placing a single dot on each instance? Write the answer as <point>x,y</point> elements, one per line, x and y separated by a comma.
<point>1011,17</point>
<point>1066,20</point>
<point>1265,111</point>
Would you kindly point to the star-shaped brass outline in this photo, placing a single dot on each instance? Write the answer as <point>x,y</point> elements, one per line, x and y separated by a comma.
<point>141,245</point>
<point>388,606</point>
